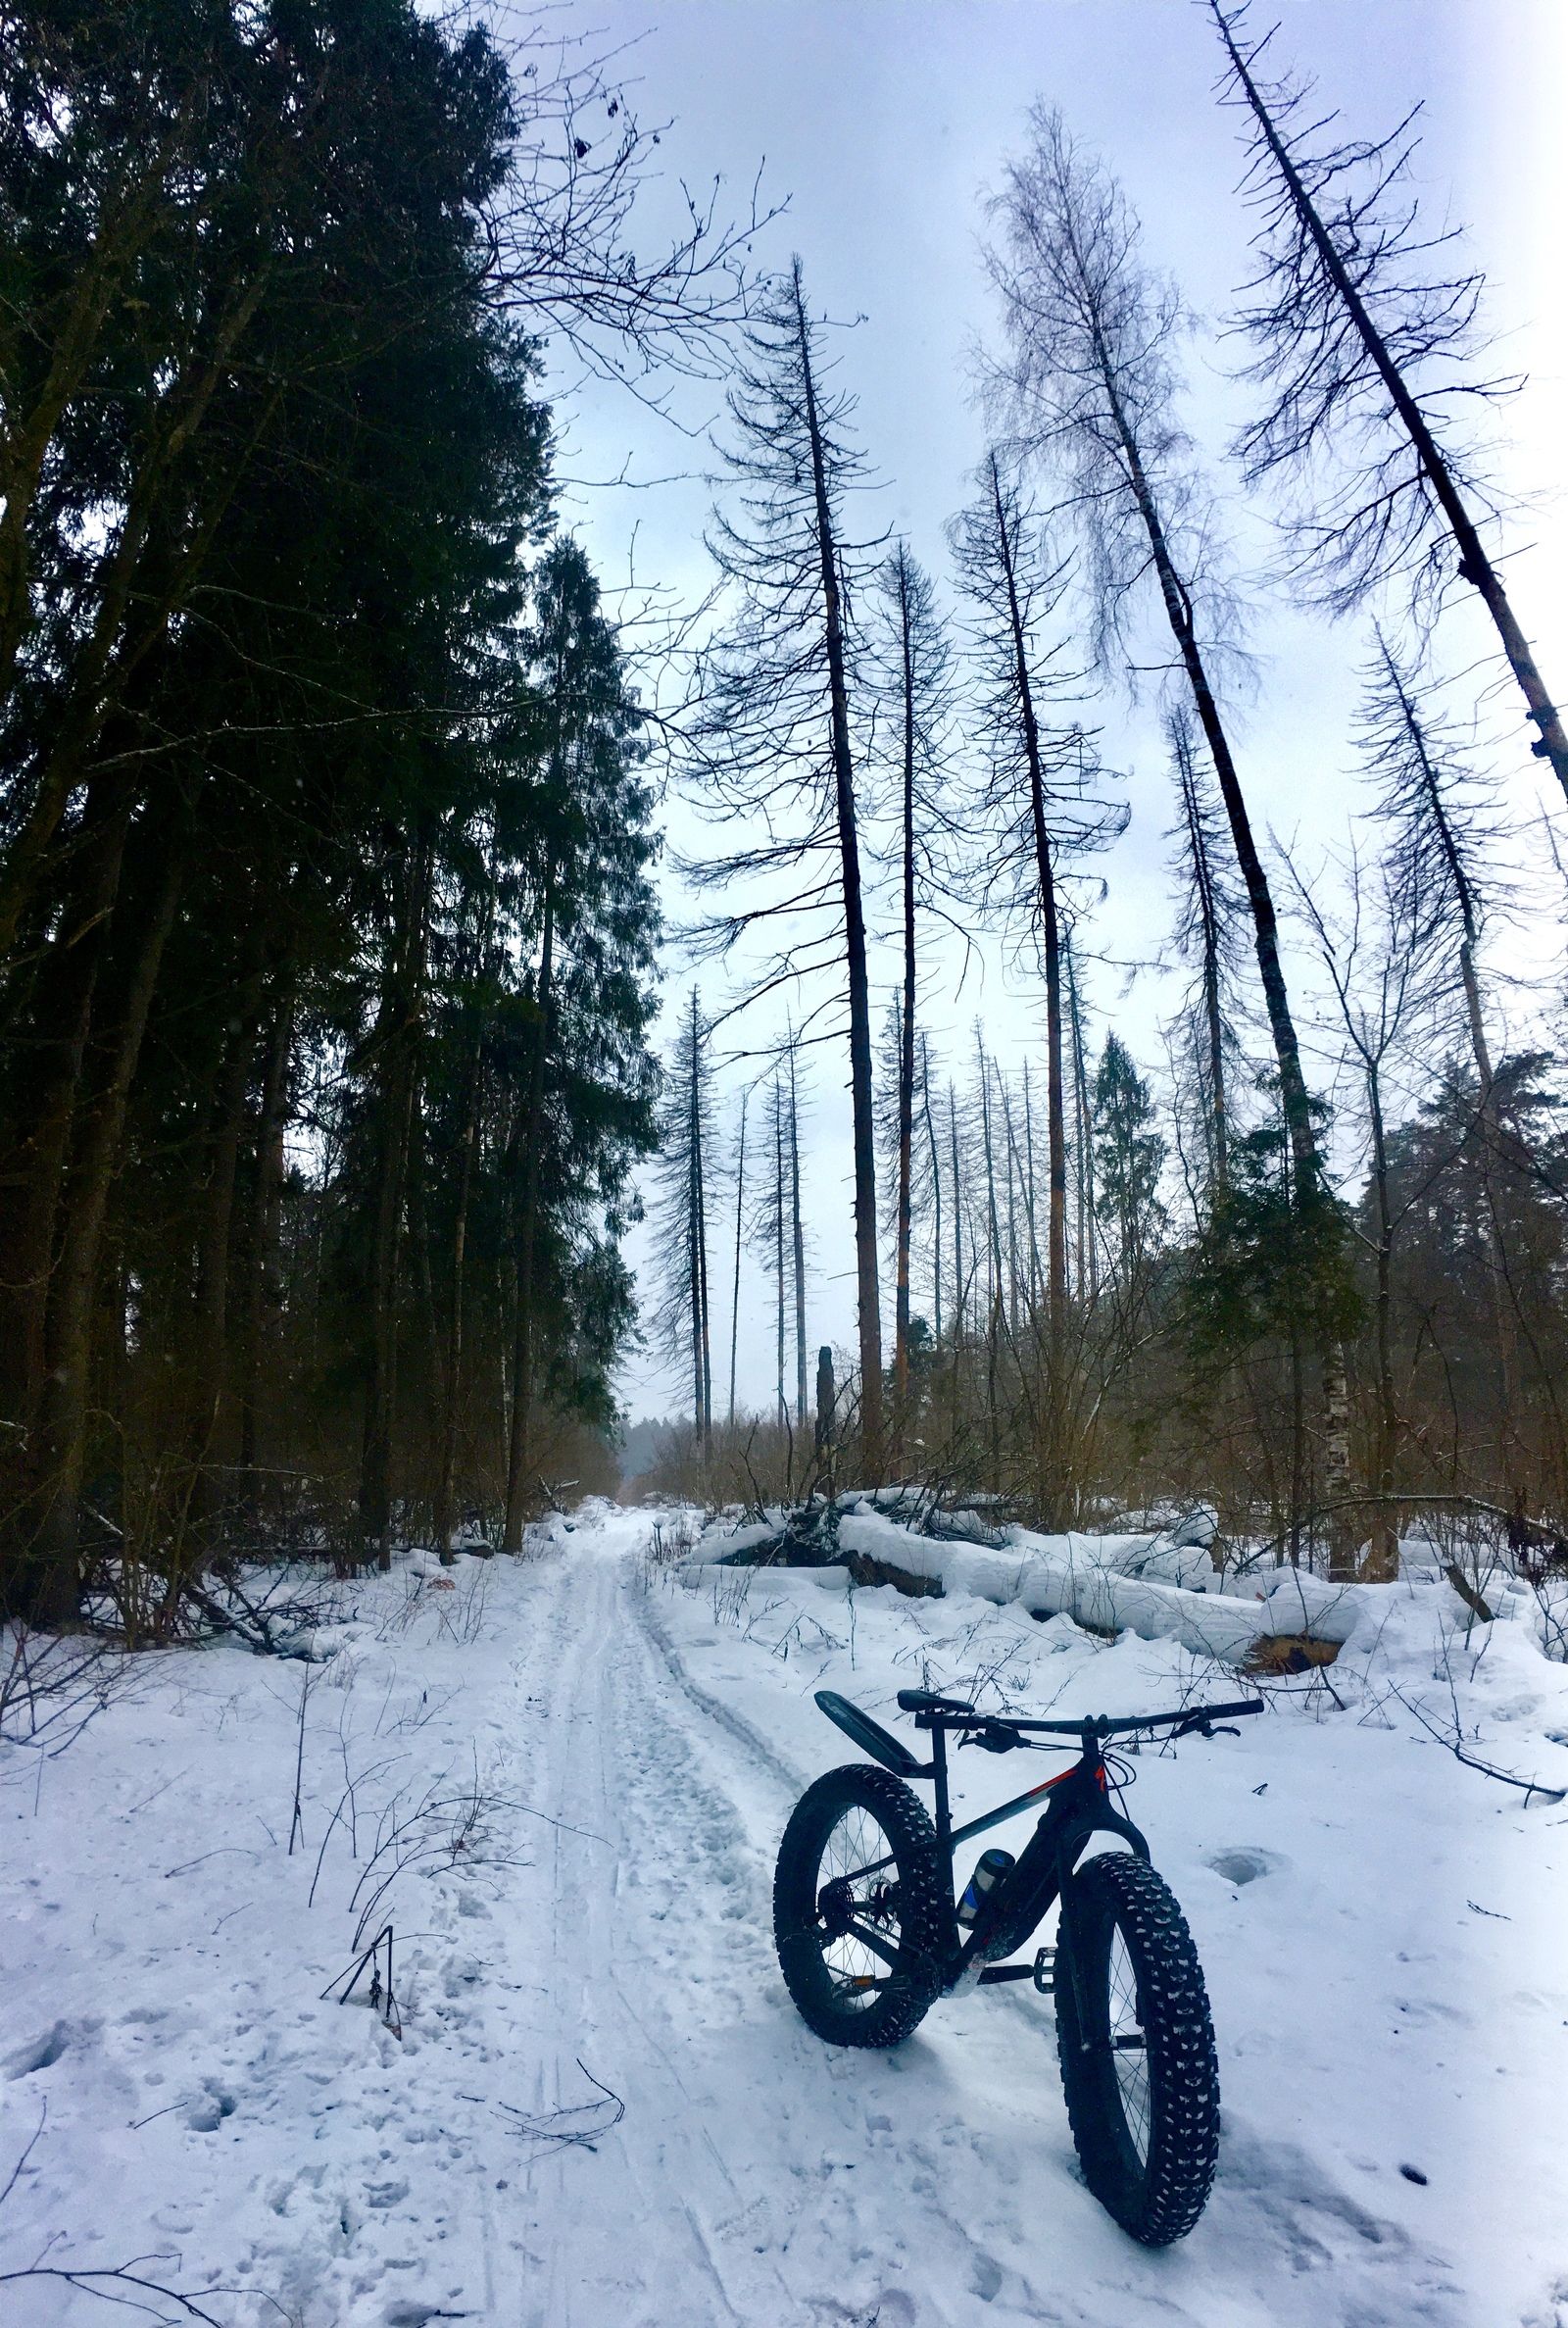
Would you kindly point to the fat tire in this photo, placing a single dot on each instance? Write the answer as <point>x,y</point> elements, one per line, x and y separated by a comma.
<point>923,1914</point>
<point>1160,2200</point>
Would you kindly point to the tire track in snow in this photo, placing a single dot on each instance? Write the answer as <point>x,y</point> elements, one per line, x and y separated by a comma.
<point>623,1923</point>
<point>737,2159</point>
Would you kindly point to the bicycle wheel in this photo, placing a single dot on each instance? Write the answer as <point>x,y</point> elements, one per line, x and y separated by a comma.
<point>856,1818</point>
<point>1139,2070</point>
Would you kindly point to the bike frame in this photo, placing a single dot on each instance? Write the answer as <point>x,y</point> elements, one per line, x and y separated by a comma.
<point>1043,1873</point>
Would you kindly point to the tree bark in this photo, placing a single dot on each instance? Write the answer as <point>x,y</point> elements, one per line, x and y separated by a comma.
<point>62,1019</point>
<point>1208,923</point>
<point>60,1437</point>
<point>936,1189</point>
<point>779,1235</point>
<point>735,1303</point>
<point>704,1342</point>
<point>209,1337</point>
<point>957,1221</point>
<point>399,1073</point>
<point>866,1252</point>
<point>453,1387</point>
<point>265,1302</point>
<point>1086,1141</point>
<point>900,1360</point>
<point>527,1234</point>
<point>798,1230</point>
<point>1384,1564</point>
<point>1050,936</point>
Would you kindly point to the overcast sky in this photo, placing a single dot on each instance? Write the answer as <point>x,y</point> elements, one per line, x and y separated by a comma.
<point>879,125</point>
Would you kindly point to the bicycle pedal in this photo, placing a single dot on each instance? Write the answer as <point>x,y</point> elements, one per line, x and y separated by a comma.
<point>1045,1972</point>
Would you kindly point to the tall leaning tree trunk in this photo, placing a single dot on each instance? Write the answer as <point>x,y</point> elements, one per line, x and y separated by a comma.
<point>1265,922</point>
<point>517,1452</point>
<point>1049,935</point>
<point>868,1291</point>
<point>1475,566</point>
<point>62,1433</point>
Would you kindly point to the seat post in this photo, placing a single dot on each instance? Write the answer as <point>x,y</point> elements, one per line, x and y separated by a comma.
<point>939,1774</point>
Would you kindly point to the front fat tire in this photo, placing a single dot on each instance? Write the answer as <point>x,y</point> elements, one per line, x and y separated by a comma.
<point>1156,2198</point>
<point>923,1909</point>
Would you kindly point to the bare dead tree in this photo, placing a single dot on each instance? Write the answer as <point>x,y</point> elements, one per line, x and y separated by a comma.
<point>1039,795</point>
<point>932,1155</point>
<point>1437,829</point>
<point>797,1226</point>
<point>560,227</point>
<point>1083,1125</point>
<point>1089,386</point>
<point>1206,927</point>
<point>771,730</point>
<point>1364,323</point>
<point>1437,833</point>
<point>1380,957</point>
<point>740,1220</point>
<point>915,681</point>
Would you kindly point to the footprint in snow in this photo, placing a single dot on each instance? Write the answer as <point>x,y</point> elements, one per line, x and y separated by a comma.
<point>1246,1862</point>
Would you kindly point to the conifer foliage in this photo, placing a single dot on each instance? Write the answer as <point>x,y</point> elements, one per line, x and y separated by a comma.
<point>324,853</point>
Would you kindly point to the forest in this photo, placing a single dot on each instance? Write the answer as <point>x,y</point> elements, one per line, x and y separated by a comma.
<point>356,1012</point>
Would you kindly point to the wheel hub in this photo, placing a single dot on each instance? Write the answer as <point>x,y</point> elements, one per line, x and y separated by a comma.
<point>835,1906</point>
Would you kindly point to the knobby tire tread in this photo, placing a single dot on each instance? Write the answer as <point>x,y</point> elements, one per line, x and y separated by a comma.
<point>924,1907</point>
<point>1162,2200</point>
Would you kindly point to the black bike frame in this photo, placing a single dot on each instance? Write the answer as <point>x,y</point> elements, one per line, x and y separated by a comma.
<point>1043,1872</point>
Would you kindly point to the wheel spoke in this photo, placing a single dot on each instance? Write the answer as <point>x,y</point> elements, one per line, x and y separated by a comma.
<point>1129,2049</point>
<point>856,1955</point>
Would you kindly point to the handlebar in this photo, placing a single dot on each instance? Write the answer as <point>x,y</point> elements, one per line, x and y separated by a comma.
<point>930,1709</point>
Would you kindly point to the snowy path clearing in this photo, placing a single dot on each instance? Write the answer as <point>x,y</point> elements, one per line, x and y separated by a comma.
<point>164,1968</point>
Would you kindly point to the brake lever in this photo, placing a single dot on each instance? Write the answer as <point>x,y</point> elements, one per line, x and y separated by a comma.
<point>1196,1726</point>
<point>993,1738</point>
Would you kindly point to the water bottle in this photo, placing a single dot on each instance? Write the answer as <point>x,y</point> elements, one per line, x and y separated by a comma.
<point>991,1868</point>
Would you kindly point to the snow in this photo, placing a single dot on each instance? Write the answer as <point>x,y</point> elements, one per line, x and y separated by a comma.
<point>1153,1585</point>
<point>617,1746</point>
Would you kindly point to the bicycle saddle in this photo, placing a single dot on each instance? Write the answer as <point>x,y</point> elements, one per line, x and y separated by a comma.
<point>927,1702</point>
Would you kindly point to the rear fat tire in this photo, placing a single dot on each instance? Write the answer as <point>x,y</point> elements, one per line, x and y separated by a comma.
<point>1156,2198</point>
<point>923,1910</point>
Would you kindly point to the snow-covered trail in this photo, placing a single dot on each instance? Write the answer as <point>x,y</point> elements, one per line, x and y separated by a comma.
<point>641,1749</point>
<point>760,2176</point>
<point>757,2176</point>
